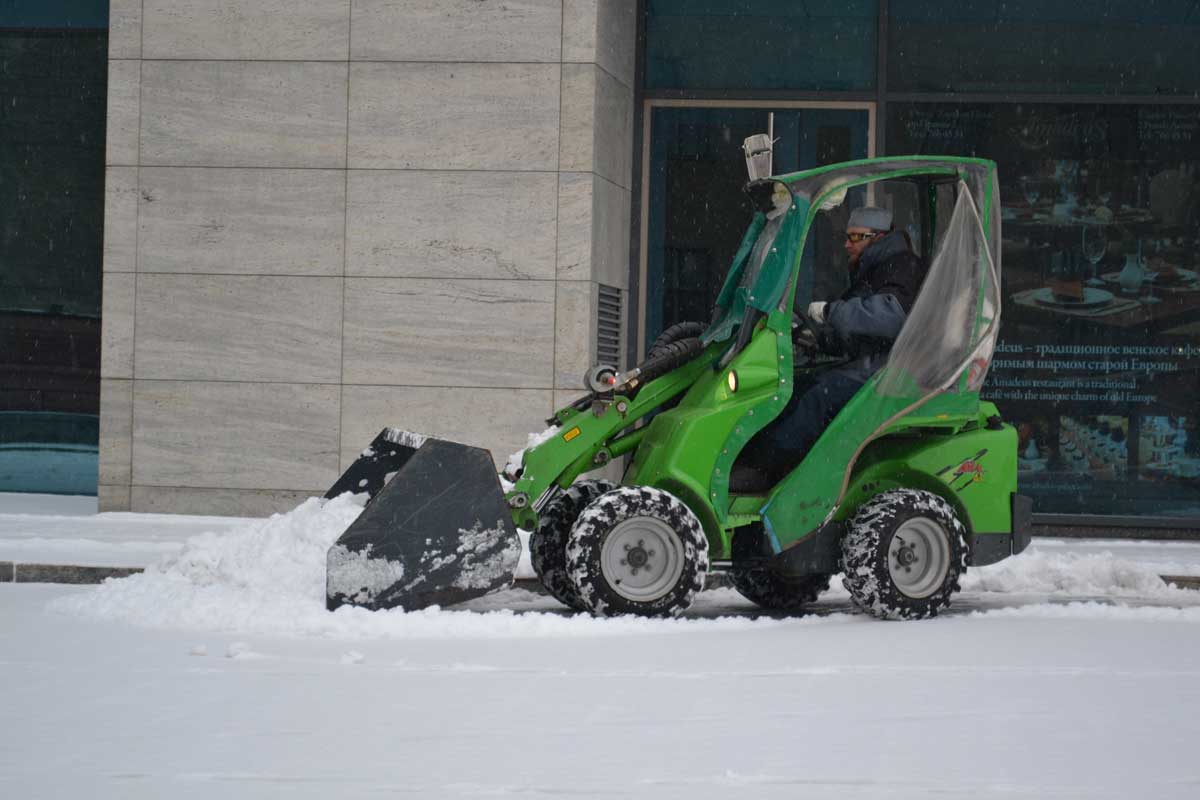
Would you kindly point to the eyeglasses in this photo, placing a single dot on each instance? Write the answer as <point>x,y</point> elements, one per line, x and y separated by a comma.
<point>855,238</point>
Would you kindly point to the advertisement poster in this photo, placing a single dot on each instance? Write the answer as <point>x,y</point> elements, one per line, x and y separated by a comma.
<point>1098,363</point>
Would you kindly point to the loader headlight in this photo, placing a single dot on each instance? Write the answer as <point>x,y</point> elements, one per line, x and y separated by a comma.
<point>731,381</point>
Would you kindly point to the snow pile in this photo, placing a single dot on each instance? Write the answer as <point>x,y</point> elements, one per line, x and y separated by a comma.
<point>1093,610</point>
<point>257,574</point>
<point>1090,575</point>
<point>268,577</point>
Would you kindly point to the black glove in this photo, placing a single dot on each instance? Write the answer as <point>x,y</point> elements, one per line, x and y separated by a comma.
<point>821,337</point>
<point>828,339</point>
<point>805,339</point>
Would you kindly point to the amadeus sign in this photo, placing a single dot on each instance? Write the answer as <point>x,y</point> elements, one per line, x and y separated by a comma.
<point>1035,132</point>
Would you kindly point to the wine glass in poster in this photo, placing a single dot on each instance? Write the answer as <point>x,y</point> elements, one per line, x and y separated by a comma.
<point>1094,245</point>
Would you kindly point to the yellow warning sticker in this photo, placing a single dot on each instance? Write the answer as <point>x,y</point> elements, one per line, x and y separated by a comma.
<point>571,434</point>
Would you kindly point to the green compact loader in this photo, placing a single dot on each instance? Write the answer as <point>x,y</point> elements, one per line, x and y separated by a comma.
<point>913,481</point>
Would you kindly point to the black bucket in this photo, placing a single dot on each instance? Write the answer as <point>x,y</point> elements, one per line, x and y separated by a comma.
<point>436,529</point>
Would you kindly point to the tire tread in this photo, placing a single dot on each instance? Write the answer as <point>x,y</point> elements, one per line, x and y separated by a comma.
<point>548,544</point>
<point>599,518</point>
<point>865,547</point>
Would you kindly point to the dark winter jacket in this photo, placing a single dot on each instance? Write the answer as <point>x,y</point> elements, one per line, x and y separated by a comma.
<point>868,316</point>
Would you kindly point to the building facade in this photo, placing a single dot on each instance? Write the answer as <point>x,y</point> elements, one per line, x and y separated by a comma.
<point>327,217</point>
<point>1091,112</point>
<point>324,217</point>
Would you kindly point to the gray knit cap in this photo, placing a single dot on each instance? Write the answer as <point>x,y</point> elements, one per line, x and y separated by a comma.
<point>877,219</point>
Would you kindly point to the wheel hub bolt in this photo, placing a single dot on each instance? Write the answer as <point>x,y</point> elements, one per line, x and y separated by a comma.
<point>637,557</point>
<point>906,555</point>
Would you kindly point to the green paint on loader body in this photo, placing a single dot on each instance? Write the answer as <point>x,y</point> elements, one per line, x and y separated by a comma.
<point>903,434</point>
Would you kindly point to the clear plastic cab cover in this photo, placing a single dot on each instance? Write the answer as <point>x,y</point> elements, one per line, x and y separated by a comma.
<point>953,324</point>
<point>947,340</point>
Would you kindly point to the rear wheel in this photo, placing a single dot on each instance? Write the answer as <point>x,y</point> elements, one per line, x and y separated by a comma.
<point>637,550</point>
<point>904,555</point>
<point>548,544</point>
<point>755,577</point>
<point>768,589</point>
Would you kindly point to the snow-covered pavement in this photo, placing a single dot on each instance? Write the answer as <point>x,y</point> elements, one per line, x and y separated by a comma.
<point>1037,701</point>
<point>49,529</point>
<point>1070,671</point>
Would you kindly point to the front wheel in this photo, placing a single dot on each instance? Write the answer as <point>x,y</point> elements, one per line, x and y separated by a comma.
<point>637,550</point>
<point>548,544</point>
<point>904,554</point>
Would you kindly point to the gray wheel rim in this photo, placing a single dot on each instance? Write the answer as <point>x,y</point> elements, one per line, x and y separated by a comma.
<point>919,557</point>
<point>642,559</point>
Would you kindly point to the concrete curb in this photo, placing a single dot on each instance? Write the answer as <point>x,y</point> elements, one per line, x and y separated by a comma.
<point>11,572</point>
<point>1182,581</point>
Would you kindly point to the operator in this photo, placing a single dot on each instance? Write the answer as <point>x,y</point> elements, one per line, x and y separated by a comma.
<point>860,326</point>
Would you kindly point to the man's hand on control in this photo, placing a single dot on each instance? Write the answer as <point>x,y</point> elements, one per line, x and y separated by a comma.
<point>805,339</point>
<point>816,311</point>
<point>829,340</point>
<point>820,337</point>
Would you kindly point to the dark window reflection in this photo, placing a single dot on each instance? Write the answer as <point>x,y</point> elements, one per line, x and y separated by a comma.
<point>697,211</point>
<point>761,44</point>
<point>1099,358</point>
<point>1035,46</point>
<point>53,78</point>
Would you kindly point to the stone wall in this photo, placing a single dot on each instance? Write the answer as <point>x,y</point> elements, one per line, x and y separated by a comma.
<point>327,216</point>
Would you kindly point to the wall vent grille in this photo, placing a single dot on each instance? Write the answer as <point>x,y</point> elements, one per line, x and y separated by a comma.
<point>608,326</point>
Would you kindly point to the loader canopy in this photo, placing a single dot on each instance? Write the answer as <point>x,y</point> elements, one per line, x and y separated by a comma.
<point>938,363</point>
<point>949,210</point>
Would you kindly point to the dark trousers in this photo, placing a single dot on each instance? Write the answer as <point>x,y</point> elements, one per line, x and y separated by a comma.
<point>783,443</point>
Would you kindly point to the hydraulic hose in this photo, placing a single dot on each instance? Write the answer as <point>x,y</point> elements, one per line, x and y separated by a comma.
<point>668,357</point>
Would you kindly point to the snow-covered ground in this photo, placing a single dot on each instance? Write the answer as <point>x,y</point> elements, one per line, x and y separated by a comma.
<point>47,504</point>
<point>107,540</point>
<point>1069,671</point>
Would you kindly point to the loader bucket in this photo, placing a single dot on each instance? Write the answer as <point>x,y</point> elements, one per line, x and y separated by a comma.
<point>436,529</point>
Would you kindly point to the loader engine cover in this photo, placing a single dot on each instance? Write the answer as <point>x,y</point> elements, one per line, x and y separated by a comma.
<point>438,532</point>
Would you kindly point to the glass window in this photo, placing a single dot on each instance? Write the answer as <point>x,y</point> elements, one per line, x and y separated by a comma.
<point>1044,46</point>
<point>697,211</point>
<point>53,79</point>
<point>54,14</point>
<point>1099,353</point>
<point>761,44</point>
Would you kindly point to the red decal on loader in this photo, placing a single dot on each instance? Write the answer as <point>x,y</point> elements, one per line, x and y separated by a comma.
<point>969,467</point>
